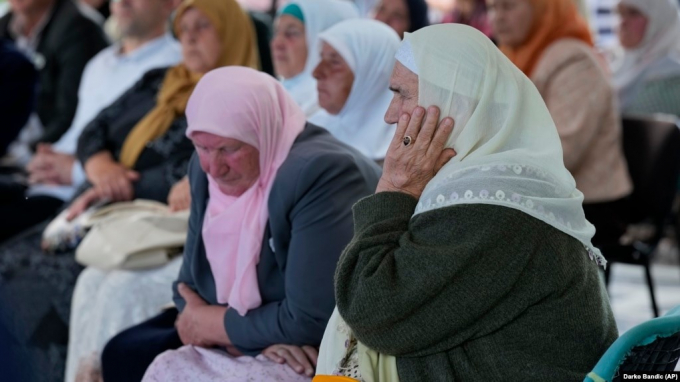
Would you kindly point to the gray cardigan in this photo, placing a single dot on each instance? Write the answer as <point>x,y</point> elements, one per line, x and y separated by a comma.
<point>310,223</point>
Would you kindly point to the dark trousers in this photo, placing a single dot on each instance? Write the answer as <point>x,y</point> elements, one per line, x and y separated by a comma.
<point>610,220</point>
<point>19,213</point>
<point>127,356</point>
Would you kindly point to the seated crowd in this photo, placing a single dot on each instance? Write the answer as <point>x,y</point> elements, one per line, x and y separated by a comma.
<point>397,201</point>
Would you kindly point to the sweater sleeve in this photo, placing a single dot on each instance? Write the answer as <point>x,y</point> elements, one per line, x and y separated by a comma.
<point>321,224</point>
<point>574,96</point>
<point>155,183</point>
<point>412,287</point>
<point>94,137</point>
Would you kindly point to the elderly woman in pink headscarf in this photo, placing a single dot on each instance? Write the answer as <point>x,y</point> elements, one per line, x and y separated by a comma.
<point>271,199</point>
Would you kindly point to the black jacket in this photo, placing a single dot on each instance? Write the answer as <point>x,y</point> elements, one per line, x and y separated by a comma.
<point>67,43</point>
<point>17,92</point>
<point>163,161</point>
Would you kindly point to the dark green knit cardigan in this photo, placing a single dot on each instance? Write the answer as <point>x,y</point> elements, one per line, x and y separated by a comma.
<point>472,293</point>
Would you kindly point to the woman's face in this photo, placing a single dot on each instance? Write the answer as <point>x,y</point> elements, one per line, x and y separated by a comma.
<point>289,46</point>
<point>334,80</point>
<point>233,164</point>
<point>466,7</point>
<point>404,87</point>
<point>201,44</point>
<point>632,27</point>
<point>395,14</point>
<point>511,20</point>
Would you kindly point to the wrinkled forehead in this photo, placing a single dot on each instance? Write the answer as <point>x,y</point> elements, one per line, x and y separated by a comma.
<point>212,141</point>
<point>403,80</point>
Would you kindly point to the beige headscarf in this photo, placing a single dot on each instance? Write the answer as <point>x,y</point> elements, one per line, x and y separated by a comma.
<point>239,47</point>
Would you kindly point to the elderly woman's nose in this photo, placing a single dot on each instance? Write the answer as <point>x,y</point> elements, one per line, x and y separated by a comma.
<point>277,41</point>
<point>317,73</point>
<point>392,113</point>
<point>216,165</point>
<point>190,35</point>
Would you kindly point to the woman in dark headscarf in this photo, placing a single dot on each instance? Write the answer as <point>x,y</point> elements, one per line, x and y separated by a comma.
<point>403,15</point>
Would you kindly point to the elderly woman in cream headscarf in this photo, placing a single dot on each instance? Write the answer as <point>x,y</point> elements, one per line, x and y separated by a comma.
<point>473,260</point>
<point>647,73</point>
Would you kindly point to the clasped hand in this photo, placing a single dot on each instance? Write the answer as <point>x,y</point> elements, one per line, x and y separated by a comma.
<point>110,180</point>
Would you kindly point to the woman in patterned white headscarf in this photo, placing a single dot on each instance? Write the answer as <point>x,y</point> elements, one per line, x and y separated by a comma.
<point>473,260</point>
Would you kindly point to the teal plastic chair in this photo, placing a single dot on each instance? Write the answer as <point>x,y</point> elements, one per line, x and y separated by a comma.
<point>653,346</point>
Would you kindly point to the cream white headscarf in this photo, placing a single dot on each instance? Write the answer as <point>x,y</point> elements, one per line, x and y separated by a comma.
<point>508,150</point>
<point>368,47</point>
<point>508,154</point>
<point>319,15</point>
<point>661,40</point>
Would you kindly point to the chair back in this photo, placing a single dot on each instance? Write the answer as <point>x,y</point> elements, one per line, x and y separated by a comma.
<point>652,149</point>
<point>653,346</point>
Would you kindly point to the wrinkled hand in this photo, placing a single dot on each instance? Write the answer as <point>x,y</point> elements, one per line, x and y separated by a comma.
<point>201,324</point>
<point>179,198</point>
<point>50,167</point>
<point>408,169</point>
<point>301,359</point>
<point>111,177</point>
<point>84,201</point>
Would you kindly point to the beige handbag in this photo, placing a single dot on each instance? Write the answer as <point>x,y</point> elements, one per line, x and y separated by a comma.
<point>133,235</point>
<point>64,235</point>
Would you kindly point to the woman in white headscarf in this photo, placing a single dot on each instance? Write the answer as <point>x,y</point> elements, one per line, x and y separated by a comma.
<point>295,50</point>
<point>473,260</point>
<point>647,72</point>
<point>357,57</point>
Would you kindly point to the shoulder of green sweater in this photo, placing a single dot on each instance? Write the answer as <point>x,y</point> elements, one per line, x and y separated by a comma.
<point>476,215</point>
<point>482,224</point>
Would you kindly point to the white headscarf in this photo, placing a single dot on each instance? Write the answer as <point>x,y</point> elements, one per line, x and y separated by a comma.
<point>508,151</point>
<point>366,7</point>
<point>368,47</point>
<point>661,40</point>
<point>319,15</point>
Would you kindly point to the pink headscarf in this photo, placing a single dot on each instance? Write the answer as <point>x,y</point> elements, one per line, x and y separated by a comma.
<point>252,107</point>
